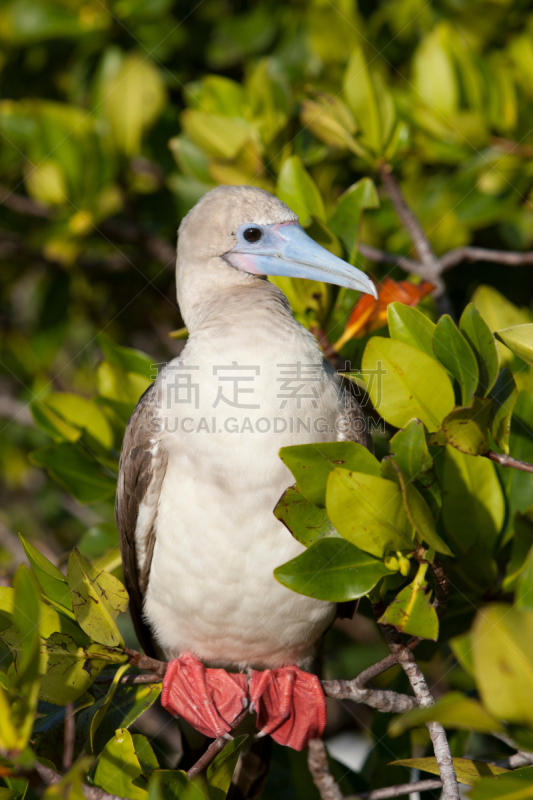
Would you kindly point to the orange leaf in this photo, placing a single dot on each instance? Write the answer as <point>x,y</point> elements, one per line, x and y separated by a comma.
<point>370,314</point>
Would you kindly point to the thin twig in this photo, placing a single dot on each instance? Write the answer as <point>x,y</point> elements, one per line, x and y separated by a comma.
<point>507,461</point>
<point>422,693</point>
<point>510,258</point>
<point>141,661</point>
<point>70,736</point>
<point>149,677</point>
<point>50,777</point>
<point>22,204</point>
<point>380,256</point>
<point>401,789</point>
<point>410,222</point>
<point>380,699</point>
<point>215,747</point>
<point>324,781</point>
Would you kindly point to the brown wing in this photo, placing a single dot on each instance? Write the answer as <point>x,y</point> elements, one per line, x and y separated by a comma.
<point>143,463</point>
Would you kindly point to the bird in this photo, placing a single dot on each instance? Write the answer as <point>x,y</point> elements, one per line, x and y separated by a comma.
<point>200,474</point>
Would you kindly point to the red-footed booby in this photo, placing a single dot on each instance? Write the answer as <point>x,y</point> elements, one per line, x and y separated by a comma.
<point>200,473</point>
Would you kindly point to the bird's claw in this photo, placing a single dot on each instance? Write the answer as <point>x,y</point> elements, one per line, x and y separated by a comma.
<point>289,703</point>
<point>209,699</point>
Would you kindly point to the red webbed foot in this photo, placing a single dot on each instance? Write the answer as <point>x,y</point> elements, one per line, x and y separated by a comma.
<point>209,699</point>
<point>290,705</point>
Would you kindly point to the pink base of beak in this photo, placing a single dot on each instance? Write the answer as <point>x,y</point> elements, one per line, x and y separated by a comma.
<point>290,703</point>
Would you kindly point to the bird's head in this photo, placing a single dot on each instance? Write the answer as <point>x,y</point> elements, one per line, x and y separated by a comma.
<point>236,232</point>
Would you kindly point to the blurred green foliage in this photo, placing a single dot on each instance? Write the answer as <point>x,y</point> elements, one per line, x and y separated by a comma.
<point>115,118</point>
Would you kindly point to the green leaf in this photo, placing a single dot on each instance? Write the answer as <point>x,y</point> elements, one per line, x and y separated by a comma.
<point>522,542</point>
<point>409,325</point>
<point>144,752</point>
<point>434,75</point>
<point>97,598</point>
<point>26,617</point>
<point>515,785</point>
<point>52,581</point>
<point>411,454</point>
<point>217,135</point>
<point>69,669</point>
<point>333,570</point>
<point>473,505</point>
<point>504,395</point>
<point>127,358</point>
<point>519,339</point>
<point>298,190</point>
<point>221,769</point>
<point>411,610</point>
<point>330,120</point>
<point>311,465</point>
<point>83,414</point>
<point>344,222</point>
<point>404,383</point>
<point>483,344</point>
<point>467,429</point>
<point>524,585</point>
<point>454,710</point>
<point>421,518</point>
<point>368,511</point>
<point>129,702</point>
<point>359,93</point>
<point>118,767</point>
<point>502,640</point>
<point>467,771</point>
<point>454,353</point>
<point>498,312</point>
<point>104,706</point>
<point>82,476</point>
<point>134,97</point>
<point>307,523</point>
<point>173,784</point>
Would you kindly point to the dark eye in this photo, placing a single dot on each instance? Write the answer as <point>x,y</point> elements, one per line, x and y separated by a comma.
<point>252,234</point>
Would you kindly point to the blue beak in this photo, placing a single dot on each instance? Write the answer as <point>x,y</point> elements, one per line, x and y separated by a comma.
<point>286,250</point>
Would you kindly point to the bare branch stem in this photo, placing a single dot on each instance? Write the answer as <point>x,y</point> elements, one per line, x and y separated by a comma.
<point>424,697</point>
<point>507,461</point>
<point>410,222</point>
<point>324,781</point>
<point>401,789</point>
<point>380,699</point>
<point>215,748</point>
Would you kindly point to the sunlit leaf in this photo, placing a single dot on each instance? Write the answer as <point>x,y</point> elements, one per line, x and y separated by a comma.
<point>307,523</point>
<point>473,503</point>
<point>368,511</point>
<point>404,383</point>
<point>296,188</point>
<point>503,659</point>
<point>97,598</point>
<point>467,771</point>
<point>311,465</point>
<point>519,339</point>
<point>411,610</point>
<point>411,326</point>
<point>467,428</point>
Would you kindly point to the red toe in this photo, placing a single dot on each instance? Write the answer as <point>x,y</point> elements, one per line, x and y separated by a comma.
<point>290,705</point>
<point>209,699</point>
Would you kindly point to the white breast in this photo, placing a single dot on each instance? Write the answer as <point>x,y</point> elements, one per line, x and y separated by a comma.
<point>211,588</point>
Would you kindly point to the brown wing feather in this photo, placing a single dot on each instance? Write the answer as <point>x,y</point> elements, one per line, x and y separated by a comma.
<point>141,471</point>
